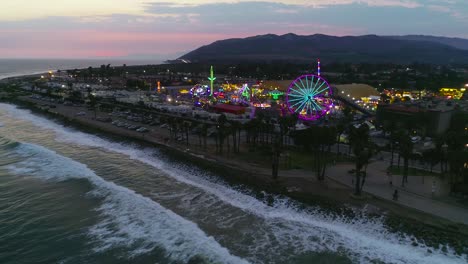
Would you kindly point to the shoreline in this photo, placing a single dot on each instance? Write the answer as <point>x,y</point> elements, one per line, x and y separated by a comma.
<point>234,172</point>
<point>6,79</point>
<point>331,196</point>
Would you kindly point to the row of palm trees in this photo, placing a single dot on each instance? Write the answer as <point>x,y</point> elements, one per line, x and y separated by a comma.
<point>450,147</point>
<point>232,136</point>
<point>263,132</point>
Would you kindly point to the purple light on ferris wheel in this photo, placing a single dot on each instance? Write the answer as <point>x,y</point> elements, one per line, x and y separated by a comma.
<point>318,67</point>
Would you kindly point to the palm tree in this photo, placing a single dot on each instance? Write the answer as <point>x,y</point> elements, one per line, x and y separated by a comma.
<point>406,149</point>
<point>90,72</point>
<point>431,156</point>
<point>340,128</point>
<point>284,128</point>
<point>235,128</point>
<point>359,142</point>
<point>204,132</point>
<point>317,139</point>
<point>328,136</point>
<point>93,104</point>
<point>276,152</point>
<point>252,128</point>
<point>187,125</point>
<point>458,170</point>
<point>220,134</point>
<point>227,130</point>
<point>389,126</point>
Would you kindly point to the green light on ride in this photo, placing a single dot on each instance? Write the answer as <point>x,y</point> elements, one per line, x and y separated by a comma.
<point>211,79</point>
<point>276,94</point>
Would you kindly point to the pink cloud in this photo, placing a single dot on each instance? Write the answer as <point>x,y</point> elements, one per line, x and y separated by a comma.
<point>91,43</point>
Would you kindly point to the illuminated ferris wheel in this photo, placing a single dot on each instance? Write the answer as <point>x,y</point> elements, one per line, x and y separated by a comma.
<point>310,97</point>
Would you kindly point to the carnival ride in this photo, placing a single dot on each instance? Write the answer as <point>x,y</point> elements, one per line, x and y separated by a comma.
<point>245,93</point>
<point>310,97</point>
<point>275,94</point>
<point>212,78</point>
<point>200,90</point>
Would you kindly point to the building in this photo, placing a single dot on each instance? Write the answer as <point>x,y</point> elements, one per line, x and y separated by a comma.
<point>432,118</point>
<point>356,90</point>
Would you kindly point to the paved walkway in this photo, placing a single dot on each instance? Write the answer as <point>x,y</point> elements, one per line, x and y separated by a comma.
<point>377,185</point>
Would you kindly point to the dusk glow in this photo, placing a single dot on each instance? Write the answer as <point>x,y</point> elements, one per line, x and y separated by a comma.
<point>127,28</point>
<point>234,131</point>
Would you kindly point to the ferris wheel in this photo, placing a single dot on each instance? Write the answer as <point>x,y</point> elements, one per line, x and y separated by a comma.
<point>310,97</point>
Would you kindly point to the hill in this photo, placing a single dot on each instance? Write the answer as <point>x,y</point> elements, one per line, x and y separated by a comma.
<point>458,43</point>
<point>302,49</point>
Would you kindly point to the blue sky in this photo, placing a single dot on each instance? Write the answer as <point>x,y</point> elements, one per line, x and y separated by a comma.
<point>152,28</point>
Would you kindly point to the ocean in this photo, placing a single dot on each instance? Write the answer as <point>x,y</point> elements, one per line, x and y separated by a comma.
<point>17,67</point>
<point>68,196</point>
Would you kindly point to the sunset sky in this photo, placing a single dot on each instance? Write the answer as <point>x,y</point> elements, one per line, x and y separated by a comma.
<point>164,28</point>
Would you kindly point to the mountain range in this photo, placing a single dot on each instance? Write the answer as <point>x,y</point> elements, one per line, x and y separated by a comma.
<point>303,49</point>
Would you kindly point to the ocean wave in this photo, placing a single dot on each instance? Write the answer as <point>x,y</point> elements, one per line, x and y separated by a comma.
<point>129,219</point>
<point>362,238</point>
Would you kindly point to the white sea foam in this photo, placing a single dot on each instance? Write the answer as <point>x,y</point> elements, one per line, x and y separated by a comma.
<point>129,218</point>
<point>362,238</point>
<point>20,74</point>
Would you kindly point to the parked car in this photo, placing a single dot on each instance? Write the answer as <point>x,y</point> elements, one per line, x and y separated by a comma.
<point>104,119</point>
<point>142,129</point>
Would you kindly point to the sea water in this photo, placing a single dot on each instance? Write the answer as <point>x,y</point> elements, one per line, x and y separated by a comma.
<point>71,197</point>
<point>18,67</point>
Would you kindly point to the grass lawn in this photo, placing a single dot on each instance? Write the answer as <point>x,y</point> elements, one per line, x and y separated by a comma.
<point>298,159</point>
<point>412,172</point>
